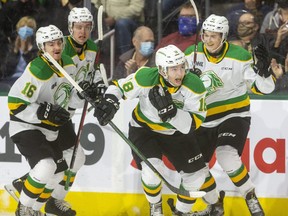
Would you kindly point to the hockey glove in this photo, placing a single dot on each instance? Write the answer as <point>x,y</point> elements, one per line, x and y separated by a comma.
<point>53,113</point>
<point>196,71</point>
<point>262,66</point>
<point>163,103</point>
<point>106,109</point>
<point>93,91</point>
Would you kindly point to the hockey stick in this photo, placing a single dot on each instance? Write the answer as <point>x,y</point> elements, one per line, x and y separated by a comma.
<point>179,191</point>
<point>195,70</point>
<point>84,111</point>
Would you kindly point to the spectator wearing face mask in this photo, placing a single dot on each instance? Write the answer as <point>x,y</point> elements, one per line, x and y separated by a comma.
<point>187,27</point>
<point>247,33</point>
<point>141,55</point>
<point>256,7</point>
<point>22,51</point>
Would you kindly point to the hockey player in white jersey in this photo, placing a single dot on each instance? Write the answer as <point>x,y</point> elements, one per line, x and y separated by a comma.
<point>226,70</point>
<point>171,107</point>
<point>83,52</point>
<point>39,104</point>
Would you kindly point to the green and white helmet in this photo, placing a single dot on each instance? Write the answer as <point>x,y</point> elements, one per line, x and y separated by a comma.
<point>168,56</point>
<point>215,23</point>
<point>46,34</point>
<point>79,15</point>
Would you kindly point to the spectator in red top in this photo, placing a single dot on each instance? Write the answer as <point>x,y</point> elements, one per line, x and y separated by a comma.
<point>186,34</point>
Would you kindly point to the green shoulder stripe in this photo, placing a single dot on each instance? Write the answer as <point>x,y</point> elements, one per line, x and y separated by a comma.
<point>191,48</point>
<point>194,83</point>
<point>68,49</point>
<point>147,76</point>
<point>17,100</point>
<point>238,53</point>
<point>40,69</point>
<point>91,45</point>
<point>67,60</point>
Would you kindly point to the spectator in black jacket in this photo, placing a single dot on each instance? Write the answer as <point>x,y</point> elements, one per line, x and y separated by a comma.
<point>247,33</point>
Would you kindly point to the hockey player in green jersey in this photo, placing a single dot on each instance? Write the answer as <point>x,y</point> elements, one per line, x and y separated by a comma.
<point>40,122</point>
<point>171,107</point>
<point>83,52</point>
<point>226,71</point>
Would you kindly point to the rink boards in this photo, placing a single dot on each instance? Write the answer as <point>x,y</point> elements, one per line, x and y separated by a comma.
<point>109,185</point>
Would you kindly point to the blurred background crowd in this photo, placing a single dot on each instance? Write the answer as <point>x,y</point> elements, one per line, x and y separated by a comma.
<point>135,29</point>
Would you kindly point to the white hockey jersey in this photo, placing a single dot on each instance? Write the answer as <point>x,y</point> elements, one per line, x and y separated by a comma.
<point>226,79</point>
<point>189,99</point>
<point>39,83</point>
<point>85,63</point>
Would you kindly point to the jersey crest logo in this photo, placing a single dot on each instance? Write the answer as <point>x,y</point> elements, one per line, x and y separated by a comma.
<point>82,73</point>
<point>62,94</point>
<point>211,81</point>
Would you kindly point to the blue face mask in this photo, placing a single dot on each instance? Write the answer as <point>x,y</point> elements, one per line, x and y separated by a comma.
<point>25,32</point>
<point>187,25</point>
<point>146,48</point>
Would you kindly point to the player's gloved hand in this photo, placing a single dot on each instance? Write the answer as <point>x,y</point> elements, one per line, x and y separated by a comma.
<point>53,113</point>
<point>93,91</point>
<point>163,103</point>
<point>101,88</point>
<point>106,109</point>
<point>262,66</point>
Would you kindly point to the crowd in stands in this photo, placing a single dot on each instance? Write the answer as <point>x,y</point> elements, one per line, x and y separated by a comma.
<point>250,22</point>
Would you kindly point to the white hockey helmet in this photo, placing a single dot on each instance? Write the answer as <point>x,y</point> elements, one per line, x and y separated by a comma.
<point>169,56</point>
<point>216,23</point>
<point>79,15</point>
<point>47,33</point>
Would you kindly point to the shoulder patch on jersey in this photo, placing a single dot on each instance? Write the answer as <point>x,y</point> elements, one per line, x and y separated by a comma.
<point>40,69</point>
<point>194,83</point>
<point>146,76</point>
<point>238,53</point>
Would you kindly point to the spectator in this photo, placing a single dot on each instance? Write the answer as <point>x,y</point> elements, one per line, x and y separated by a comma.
<point>248,35</point>
<point>255,7</point>
<point>276,18</point>
<point>187,27</point>
<point>24,49</point>
<point>140,55</point>
<point>11,13</point>
<point>168,9</point>
<point>279,29</point>
<point>124,16</point>
<point>281,74</point>
<point>170,5</point>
